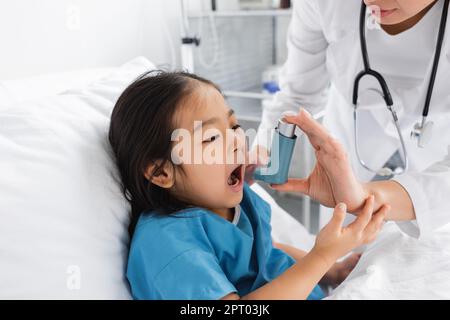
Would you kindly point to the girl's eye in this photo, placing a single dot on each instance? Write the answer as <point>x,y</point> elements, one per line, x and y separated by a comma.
<point>236,127</point>
<point>213,138</point>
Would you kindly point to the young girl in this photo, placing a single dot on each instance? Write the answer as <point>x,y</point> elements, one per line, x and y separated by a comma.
<point>198,230</point>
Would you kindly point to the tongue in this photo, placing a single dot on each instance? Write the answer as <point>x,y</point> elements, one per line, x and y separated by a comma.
<point>232,180</point>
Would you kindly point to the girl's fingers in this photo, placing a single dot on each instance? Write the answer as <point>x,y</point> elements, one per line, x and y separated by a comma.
<point>338,216</point>
<point>293,185</point>
<point>374,226</point>
<point>249,171</point>
<point>364,217</point>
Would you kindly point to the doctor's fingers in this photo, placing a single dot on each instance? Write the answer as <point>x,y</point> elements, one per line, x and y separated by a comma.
<point>373,228</point>
<point>316,133</point>
<point>293,185</point>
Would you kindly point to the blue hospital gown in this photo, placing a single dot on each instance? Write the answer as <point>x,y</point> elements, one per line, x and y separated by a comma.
<point>198,255</point>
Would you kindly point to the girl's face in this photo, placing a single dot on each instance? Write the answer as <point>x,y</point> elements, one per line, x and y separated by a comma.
<point>213,151</point>
<point>397,11</point>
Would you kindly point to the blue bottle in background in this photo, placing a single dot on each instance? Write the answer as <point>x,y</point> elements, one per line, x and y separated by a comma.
<point>283,143</point>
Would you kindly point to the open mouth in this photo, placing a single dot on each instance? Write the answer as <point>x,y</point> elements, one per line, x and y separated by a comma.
<point>236,176</point>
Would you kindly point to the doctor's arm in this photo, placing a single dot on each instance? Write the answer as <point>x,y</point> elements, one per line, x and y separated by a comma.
<point>421,196</point>
<point>304,77</point>
<point>393,193</point>
<point>429,191</point>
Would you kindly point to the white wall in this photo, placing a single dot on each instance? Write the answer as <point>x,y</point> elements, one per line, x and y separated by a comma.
<point>162,35</point>
<point>42,36</point>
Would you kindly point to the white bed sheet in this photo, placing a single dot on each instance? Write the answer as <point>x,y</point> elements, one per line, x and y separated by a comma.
<point>394,267</point>
<point>397,266</point>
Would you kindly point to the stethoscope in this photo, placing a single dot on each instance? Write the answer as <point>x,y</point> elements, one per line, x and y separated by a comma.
<point>422,131</point>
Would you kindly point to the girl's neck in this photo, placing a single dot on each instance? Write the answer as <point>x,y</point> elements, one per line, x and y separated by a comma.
<point>398,28</point>
<point>227,214</point>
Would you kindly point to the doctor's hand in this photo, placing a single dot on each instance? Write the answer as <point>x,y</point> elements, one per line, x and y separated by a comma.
<point>332,179</point>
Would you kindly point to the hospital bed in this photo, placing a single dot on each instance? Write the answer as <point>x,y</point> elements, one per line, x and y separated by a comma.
<point>64,220</point>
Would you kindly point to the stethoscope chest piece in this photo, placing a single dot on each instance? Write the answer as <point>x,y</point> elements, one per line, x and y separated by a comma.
<point>423,133</point>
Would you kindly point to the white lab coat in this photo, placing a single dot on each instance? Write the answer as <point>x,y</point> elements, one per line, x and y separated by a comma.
<point>323,59</point>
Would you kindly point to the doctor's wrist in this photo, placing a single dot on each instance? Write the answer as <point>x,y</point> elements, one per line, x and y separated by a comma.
<point>372,188</point>
<point>395,195</point>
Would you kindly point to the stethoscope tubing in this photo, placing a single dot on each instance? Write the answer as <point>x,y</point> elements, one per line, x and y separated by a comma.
<point>368,71</point>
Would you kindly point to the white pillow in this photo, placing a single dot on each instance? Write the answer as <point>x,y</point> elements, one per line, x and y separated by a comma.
<point>31,88</point>
<point>63,230</point>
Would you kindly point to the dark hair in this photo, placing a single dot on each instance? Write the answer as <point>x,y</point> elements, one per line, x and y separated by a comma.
<point>142,123</point>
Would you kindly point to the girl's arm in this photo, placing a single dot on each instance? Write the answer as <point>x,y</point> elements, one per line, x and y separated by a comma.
<point>295,283</point>
<point>333,242</point>
<point>335,275</point>
<point>295,253</point>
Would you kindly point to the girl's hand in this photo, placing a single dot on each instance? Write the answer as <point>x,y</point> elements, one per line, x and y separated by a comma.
<point>257,157</point>
<point>332,180</point>
<point>335,241</point>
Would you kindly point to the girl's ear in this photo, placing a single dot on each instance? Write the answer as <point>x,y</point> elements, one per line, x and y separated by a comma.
<point>164,177</point>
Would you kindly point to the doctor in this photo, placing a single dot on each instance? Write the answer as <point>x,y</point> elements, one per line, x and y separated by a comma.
<point>381,71</point>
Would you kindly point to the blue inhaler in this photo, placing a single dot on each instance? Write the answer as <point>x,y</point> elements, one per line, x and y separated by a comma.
<point>283,143</point>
